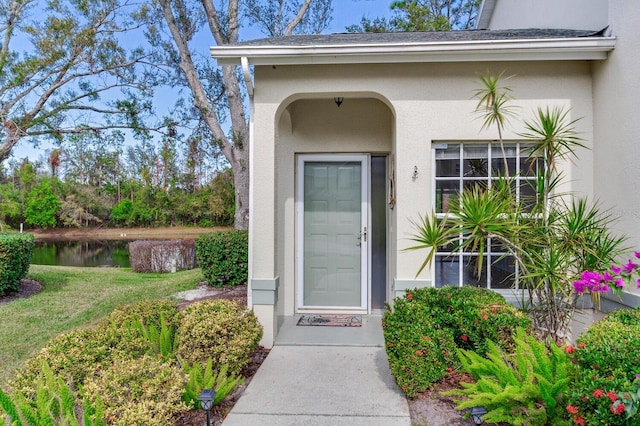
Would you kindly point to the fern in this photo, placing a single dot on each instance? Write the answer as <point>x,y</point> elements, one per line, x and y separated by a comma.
<point>221,381</point>
<point>163,342</point>
<point>9,408</point>
<point>52,405</point>
<point>524,388</point>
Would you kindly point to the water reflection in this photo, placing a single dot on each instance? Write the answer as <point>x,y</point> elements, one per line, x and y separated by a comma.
<point>90,253</point>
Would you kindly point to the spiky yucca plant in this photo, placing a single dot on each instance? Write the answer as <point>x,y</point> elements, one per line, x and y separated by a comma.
<point>552,236</point>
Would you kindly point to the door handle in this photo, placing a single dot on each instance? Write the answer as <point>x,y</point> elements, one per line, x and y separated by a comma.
<point>363,234</point>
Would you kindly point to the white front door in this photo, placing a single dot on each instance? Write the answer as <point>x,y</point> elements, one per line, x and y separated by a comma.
<point>332,252</point>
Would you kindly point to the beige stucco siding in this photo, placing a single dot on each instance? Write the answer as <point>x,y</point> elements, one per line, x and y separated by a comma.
<point>395,109</point>
<point>616,92</point>
<point>564,14</point>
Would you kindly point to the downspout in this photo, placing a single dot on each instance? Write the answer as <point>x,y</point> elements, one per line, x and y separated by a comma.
<point>247,76</point>
<point>246,72</point>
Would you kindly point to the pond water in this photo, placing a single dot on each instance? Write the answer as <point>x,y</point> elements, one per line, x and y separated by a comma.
<point>92,253</point>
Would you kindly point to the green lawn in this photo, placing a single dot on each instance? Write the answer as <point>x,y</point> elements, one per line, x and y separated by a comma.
<point>75,297</point>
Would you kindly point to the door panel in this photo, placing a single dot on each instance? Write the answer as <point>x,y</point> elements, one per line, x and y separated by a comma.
<point>332,221</point>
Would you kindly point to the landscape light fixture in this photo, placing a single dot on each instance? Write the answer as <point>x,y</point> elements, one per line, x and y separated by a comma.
<point>206,402</point>
<point>477,413</point>
<point>338,100</point>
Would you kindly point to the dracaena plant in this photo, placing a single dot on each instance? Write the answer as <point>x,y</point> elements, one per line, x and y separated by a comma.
<point>552,236</point>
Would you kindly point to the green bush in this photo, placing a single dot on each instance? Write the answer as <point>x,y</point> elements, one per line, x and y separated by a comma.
<point>428,324</point>
<point>15,256</point>
<point>220,329</point>
<point>522,389</point>
<point>590,397</point>
<point>606,365</point>
<point>612,344</point>
<point>150,312</point>
<point>139,392</point>
<point>80,353</point>
<point>223,257</point>
<point>475,315</point>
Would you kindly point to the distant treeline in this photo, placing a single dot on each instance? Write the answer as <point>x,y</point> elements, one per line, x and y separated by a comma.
<point>102,189</point>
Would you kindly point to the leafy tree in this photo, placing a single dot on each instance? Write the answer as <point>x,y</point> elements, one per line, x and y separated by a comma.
<point>10,205</point>
<point>423,15</point>
<point>121,212</point>
<point>42,206</point>
<point>218,93</point>
<point>63,70</point>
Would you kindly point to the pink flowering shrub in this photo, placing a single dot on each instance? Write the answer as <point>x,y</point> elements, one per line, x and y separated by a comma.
<point>595,283</point>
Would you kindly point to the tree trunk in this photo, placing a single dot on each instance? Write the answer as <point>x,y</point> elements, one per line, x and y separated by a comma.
<point>241,186</point>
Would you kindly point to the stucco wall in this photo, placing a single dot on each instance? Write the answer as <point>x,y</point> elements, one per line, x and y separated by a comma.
<point>418,104</point>
<point>565,14</point>
<point>616,93</point>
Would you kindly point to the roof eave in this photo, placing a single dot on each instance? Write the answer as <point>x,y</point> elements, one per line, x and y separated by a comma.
<point>586,48</point>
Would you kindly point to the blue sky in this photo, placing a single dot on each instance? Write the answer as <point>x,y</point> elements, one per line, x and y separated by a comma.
<point>345,13</point>
<point>349,12</point>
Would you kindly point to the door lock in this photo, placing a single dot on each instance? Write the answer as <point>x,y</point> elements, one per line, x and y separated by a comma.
<point>364,234</point>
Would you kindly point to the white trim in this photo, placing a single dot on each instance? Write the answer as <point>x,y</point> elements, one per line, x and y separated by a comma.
<point>364,209</point>
<point>252,217</point>
<point>579,48</point>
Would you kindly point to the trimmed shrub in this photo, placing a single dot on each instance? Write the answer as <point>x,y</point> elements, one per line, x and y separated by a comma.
<point>149,312</point>
<point>223,257</point>
<point>427,325</point>
<point>606,365</point>
<point>220,329</point>
<point>612,344</point>
<point>162,256</point>
<point>15,256</point>
<point>138,392</point>
<point>589,399</point>
<point>80,353</point>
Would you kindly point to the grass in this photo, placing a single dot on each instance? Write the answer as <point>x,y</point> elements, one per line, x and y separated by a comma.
<point>74,297</point>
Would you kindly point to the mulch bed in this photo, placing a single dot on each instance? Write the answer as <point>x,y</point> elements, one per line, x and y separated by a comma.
<point>28,287</point>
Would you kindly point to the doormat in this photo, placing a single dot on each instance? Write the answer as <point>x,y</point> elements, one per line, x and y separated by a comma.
<point>331,320</point>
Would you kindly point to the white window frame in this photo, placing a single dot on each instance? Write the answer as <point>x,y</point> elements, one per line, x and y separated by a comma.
<point>492,148</point>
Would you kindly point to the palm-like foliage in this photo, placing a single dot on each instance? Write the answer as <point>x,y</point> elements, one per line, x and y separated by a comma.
<point>493,104</point>
<point>552,236</point>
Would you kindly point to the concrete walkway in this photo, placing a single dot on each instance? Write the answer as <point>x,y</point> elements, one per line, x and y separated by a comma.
<point>320,384</point>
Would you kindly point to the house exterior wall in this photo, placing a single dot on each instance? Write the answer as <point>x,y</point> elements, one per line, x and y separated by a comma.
<point>398,109</point>
<point>616,92</point>
<point>564,14</point>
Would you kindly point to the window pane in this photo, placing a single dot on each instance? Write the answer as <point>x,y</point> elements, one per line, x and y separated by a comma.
<point>447,270</point>
<point>503,270</point>
<point>470,271</point>
<point>448,160</point>
<point>476,161</point>
<point>445,190</point>
<point>497,164</point>
<point>470,184</point>
<point>531,166</point>
<point>528,195</point>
